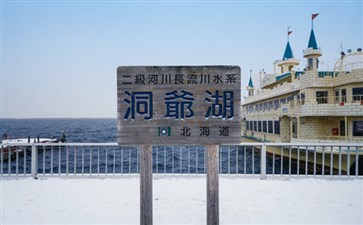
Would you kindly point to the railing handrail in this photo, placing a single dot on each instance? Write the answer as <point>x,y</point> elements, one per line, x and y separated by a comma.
<point>242,158</point>
<point>317,144</point>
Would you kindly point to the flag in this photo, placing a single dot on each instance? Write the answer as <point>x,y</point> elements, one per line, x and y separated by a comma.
<point>289,32</point>
<point>314,15</point>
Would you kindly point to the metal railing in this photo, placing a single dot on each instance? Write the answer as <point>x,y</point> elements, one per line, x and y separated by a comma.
<point>252,159</point>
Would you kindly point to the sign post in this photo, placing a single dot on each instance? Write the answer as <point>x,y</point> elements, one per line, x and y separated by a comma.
<point>146,191</point>
<point>212,185</point>
<point>178,105</point>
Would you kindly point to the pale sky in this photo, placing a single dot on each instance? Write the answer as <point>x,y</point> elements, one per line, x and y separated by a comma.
<point>59,58</point>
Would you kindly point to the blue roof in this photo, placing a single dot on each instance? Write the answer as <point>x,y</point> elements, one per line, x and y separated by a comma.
<point>283,76</point>
<point>312,41</point>
<point>288,52</point>
<point>250,84</point>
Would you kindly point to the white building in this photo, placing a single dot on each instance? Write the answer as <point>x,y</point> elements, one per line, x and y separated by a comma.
<point>309,105</point>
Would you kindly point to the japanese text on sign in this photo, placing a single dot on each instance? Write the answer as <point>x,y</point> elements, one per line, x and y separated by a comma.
<point>178,105</point>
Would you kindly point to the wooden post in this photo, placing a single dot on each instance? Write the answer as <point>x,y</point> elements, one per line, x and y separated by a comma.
<point>146,185</point>
<point>212,185</point>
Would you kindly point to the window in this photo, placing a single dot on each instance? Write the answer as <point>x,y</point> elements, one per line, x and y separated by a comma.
<point>259,126</point>
<point>270,127</point>
<point>291,99</point>
<point>310,63</point>
<point>322,97</point>
<point>344,95</point>
<point>342,128</point>
<point>283,100</point>
<point>255,125</point>
<point>264,123</point>
<point>336,96</point>
<point>276,104</point>
<point>251,125</point>
<point>302,98</point>
<point>277,127</point>
<point>358,128</point>
<point>247,125</point>
<point>358,94</point>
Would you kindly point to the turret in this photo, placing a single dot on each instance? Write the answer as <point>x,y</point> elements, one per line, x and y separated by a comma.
<point>312,52</point>
<point>250,88</point>
<point>288,61</point>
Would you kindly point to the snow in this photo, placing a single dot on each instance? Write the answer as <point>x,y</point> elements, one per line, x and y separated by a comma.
<point>181,200</point>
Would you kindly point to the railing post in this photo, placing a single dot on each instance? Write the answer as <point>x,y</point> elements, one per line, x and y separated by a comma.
<point>34,161</point>
<point>146,184</point>
<point>263,162</point>
<point>212,185</point>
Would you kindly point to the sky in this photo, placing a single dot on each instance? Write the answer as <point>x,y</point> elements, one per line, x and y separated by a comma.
<point>59,58</point>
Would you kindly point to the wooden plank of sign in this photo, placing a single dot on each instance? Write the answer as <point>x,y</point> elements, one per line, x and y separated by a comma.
<point>140,131</point>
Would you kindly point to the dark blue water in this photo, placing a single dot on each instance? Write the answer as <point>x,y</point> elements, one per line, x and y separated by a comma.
<point>77,130</point>
<point>168,159</point>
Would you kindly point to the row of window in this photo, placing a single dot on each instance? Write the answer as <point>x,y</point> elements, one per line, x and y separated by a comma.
<point>322,97</point>
<point>276,104</point>
<point>271,127</point>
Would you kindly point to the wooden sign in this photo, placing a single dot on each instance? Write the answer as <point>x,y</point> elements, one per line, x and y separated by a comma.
<point>188,105</point>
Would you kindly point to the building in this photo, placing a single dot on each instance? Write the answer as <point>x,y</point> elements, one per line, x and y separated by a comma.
<point>309,105</point>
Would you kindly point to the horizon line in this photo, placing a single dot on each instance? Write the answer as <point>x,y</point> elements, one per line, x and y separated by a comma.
<point>58,118</point>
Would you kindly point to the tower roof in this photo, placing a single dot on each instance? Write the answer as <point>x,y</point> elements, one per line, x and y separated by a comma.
<point>250,84</point>
<point>288,52</point>
<point>312,41</point>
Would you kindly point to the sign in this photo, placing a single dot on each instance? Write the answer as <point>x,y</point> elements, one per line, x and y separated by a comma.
<point>186,105</point>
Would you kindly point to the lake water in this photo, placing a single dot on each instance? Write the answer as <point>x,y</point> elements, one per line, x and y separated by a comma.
<point>123,160</point>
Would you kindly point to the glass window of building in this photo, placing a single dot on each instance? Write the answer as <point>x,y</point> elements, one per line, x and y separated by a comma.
<point>358,128</point>
<point>277,127</point>
<point>310,63</point>
<point>276,104</point>
<point>270,127</point>
<point>264,123</point>
<point>322,97</point>
<point>342,128</point>
<point>259,126</point>
<point>302,98</point>
<point>344,95</point>
<point>358,94</point>
<point>337,96</point>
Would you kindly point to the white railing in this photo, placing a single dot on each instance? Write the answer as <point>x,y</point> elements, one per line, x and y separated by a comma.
<point>252,159</point>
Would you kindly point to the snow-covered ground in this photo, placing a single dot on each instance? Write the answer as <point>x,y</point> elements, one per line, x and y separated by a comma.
<point>181,200</point>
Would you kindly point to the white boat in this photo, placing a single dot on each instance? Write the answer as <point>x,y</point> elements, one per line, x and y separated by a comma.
<point>11,147</point>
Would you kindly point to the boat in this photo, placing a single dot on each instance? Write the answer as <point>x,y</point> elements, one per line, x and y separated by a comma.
<point>310,105</point>
<point>11,147</point>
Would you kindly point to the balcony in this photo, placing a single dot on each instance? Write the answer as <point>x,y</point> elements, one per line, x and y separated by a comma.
<point>311,51</point>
